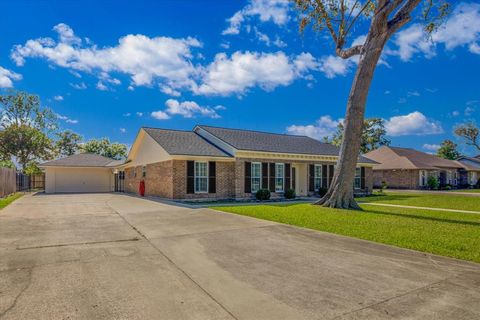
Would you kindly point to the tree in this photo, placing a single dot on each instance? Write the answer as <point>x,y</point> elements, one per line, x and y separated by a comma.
<point>470,133</point>
<point>340,18</point>
<point>105,148</point>
<point>448,150</point>
<point>68,143</point>
<point>25,128</point>
<point>373,135</point>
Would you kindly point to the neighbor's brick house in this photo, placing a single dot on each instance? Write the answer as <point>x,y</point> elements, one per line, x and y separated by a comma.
<point>404,168</point>
<point>221,163</point>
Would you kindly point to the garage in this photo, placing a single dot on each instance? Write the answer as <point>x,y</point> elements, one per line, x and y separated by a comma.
<point>82,173</point>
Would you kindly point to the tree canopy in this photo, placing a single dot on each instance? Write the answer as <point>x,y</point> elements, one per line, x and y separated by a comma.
<point>68,143</point>
<point>448,150</point>
<point>105,148</point>
<point>373,135</point>
<point>470,133</point>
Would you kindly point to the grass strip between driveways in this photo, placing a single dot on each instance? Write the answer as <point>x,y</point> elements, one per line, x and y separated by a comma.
<point>9,199</point>
<point>444,201</point>
<point>449,234</point>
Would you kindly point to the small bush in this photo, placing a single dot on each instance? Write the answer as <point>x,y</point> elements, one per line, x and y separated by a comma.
<point>263,194</point>
<point>290,194</point>
<point>432,183</point>
<point>322,191</point>
<point>447,187</point>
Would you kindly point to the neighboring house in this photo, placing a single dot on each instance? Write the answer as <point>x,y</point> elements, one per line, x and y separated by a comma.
<point>85,172</point>
<point>213,162</point>
<point>208,162</point>
<point>470,174</point>
<point>405,168</point>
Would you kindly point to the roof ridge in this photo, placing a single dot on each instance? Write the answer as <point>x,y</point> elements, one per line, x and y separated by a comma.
<point>257,131</point>
<point>177,130</point>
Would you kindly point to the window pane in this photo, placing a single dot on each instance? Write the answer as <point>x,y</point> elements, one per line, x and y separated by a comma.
<point>279,174</point>
<point>201,177</point>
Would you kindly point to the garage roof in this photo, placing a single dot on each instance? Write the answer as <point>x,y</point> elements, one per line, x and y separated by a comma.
<point>83,160</point>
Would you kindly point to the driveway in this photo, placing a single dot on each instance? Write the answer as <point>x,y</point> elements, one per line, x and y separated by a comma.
<point>110,256</point>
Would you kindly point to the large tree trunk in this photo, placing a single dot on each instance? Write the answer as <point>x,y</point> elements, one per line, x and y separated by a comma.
<point>340,193</point>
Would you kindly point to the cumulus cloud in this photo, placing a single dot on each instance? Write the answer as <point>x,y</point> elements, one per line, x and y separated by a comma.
<point>186,109</point>
<point>323,127</point>
<point>79,86</point>
<point>245,70</point>
<point>462,29</point>
<point>275,11</point>
<point>7,77</point>
<point>431,147</point>
<point>146,60</point>
<point>58,98</point>
<point>415,123</point>
<point>333,66</point>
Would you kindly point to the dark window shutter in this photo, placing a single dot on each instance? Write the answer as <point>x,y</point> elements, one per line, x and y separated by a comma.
<point>311,176</point>
<point>248,177</point>
<point>190,176</point>
<point>287,176</point>
<point>264,175</point>
<point>331,170</point>
<point>212,177</point>
<point>272,177</point>
<point>362,177</point>
<point>324,176</point>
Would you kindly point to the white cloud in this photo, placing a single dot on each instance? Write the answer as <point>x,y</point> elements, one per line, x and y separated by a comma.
<point>431,147</point>
<point>462,29</point>
<point>262,37</point>
<point>79,86</point>
<point>333,66</point>
<point>245,70</point>
<point>324,127</point>
<point>413,93</point>
<point>7,77</point>
<point>275,11</point>
<point>139,114</point>
<point>160,115</point>
<point>58,98</point>
<point>455,113</point>
<point>468,111</point>
<point>128,114</point>
<point>415,123</point>
<point>100,86</point>
<point>189,109</point>
<point>123,130</point>
<point>145,60</point>
<point>66,119</point>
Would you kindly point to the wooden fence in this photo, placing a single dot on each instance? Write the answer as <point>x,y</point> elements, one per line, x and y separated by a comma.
<point>7,181</point>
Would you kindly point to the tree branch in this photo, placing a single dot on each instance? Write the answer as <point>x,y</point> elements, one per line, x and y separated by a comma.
<point>350,52</point>
<point>402,16</point>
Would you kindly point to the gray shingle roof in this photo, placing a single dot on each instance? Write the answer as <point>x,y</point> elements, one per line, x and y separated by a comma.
<point>177,142</point>
<point>273,142</point>
<point>83,160</point>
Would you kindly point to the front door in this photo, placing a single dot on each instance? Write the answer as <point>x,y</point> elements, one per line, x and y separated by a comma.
<point>294,178</point>
<point>120,181</point>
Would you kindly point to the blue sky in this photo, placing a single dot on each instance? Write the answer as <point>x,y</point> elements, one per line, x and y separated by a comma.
<point>110,67</point>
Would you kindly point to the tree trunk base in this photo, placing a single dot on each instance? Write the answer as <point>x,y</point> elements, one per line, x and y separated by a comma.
<point>338,198</point>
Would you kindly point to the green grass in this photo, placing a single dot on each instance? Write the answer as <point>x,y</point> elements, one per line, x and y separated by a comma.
<point>467,190</point>
<point>446,201</point>
<point>9,199</point>
<point>450,234</point>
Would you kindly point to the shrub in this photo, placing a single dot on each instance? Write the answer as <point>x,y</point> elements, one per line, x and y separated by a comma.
<point>447,187</point>
<point>322,192</point>
<point>432,183</point>
<point>290,194</point>
<point>263,194</point>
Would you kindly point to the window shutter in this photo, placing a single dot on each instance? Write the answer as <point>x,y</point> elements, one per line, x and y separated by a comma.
<point>190,176</point>
<point>331,169</point>
<point>324,176</point>
<point>287,176</point>
<point>311,176</point>
<point>248,177</point>
<point>264,175</point>
<point>362,177</point>
<point>212,177</point>
<point>272,177</point>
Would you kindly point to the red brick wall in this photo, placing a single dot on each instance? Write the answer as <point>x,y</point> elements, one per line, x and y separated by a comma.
<point>396,179</point>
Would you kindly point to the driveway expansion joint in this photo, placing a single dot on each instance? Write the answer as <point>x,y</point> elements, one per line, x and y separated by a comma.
<point>76,244</point>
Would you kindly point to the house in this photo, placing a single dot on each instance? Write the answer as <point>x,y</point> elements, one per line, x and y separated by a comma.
<point>220,163</point>
<point>214,162</point>
<point>470,172</point>
<point>85,172</point>
<point>405,168</point>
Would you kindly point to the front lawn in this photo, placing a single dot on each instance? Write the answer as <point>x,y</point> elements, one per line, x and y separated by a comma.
<point>446,201</point>
<point>9,199</point>
<point>444,233</point>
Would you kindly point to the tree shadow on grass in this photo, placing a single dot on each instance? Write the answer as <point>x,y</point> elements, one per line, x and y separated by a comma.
<point>410,216</point>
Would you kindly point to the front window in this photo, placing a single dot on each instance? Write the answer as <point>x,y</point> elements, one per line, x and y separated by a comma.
<point>423,178</point>
<point>256,176</point>
<point>279,176</point>
<point>201,177</point>
<point>317,177</point>
<point>358,178</point>
<point>144,172</point>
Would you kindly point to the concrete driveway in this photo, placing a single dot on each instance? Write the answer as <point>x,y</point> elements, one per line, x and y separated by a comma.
<point>110,256</point>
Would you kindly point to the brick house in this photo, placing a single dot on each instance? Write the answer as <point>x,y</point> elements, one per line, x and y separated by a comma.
<point>404,168</point>
<point>221,163</point>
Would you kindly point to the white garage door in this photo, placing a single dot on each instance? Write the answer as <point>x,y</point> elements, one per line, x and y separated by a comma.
<point>79,180</point>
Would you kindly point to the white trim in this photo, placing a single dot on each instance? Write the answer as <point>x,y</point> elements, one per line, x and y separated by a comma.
<point>259,177</point>
<point>282,177</point>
